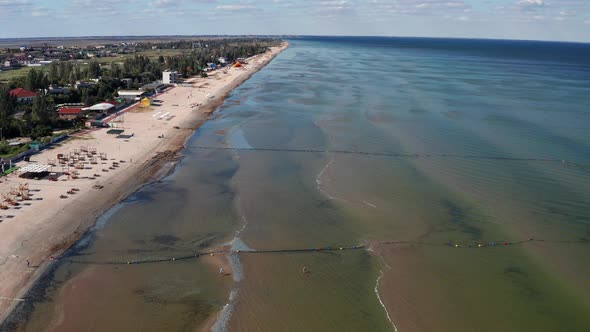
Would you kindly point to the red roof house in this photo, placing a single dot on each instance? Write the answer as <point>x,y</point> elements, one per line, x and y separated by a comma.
<point>70,112</point>
<point>23,95</point>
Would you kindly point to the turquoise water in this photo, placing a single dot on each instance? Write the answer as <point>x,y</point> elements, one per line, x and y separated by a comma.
<point>343,141</point>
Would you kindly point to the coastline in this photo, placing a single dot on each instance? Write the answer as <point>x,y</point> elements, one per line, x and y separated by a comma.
<point>50,234</point>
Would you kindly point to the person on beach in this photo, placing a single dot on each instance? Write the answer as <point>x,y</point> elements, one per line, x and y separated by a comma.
<point>28,263</point>
<point>221,271</point>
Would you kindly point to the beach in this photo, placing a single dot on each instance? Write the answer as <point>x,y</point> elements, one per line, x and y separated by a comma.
<point>36,232</point>
<point>404,190</point>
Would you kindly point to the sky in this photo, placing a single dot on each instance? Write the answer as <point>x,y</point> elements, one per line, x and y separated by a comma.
<point>560,20</point>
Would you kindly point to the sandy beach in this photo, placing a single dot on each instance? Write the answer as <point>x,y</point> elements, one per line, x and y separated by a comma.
<point>37,231</point>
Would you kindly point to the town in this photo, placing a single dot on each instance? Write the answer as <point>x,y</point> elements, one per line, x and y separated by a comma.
<point>48,91</point>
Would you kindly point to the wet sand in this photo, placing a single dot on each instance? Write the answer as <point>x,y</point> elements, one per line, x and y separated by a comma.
<point>37,236</point>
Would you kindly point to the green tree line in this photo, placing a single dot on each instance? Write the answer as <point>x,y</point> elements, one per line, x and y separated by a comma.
<point>40,118</point>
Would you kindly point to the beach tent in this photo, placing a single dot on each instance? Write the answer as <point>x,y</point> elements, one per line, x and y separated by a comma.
<point>99,107</point>
<point>237,65</point>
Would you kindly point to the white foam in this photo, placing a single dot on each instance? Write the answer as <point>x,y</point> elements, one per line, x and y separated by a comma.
<point>222,323</point>
<point>381,302</point>
<point>318,179</point>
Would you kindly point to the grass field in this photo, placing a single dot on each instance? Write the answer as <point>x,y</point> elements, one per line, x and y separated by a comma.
<point>6,76</point>
<point>10,74</point>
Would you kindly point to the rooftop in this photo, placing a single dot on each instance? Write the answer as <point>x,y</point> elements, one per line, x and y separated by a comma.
<point>70,111</point>
<point>22,93</point>
<point>130,92</point>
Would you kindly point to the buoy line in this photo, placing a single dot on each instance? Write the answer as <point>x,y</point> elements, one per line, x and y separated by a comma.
<point>583,167</point>
<point>451,244</point>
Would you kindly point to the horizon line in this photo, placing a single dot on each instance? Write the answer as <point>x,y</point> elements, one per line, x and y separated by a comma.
<point>295,35</point>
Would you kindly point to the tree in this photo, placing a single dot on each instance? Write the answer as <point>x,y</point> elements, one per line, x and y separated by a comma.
<point>94,69</point>
<point>53,75</point>
<point>62,70</point>
<point>77,73</point>
<point>42,112</point>
<point>115,70</point>
<point>7,108</point>
<point>72,79</point>
<point>41,131</point>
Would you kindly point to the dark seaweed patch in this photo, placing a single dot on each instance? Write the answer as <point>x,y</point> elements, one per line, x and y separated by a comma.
<point>515,270</point>
<point>418,111</point>
<point>453,114</point>
<point>168,240</point>
<point>522,280</point>
<point>459,218</point>
<point>197,311</point>
<point>227,173</point>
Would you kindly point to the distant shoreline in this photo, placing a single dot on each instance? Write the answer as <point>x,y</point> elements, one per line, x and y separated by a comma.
<point>96,40</point>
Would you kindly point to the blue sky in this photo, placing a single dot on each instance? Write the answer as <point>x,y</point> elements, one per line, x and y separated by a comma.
<point>514,19</point>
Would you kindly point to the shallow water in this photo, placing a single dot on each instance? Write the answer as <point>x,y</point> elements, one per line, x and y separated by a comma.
<point>479,131</point>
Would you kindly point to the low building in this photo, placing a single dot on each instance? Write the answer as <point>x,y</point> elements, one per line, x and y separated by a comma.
<point>100,107</point>
<point>22,95</point>
<point>130,94</point>
<point>127,81</point>
<point>70,113</point>
<point>85,85</point>
<point>169,77</point>
<point>154,86</point>
<point>58,90</point>
<point>11,63</point>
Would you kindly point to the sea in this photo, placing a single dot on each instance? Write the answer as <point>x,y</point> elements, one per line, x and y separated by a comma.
<point>357,184</point>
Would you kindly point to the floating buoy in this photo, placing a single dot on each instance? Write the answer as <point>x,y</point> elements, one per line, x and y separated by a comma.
<point>173,259</point>
<point>505,243</point>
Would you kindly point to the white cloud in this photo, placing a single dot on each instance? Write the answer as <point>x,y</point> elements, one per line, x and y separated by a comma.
<point>531,4</point>
<point>388,17</point>
<point>235,7</point>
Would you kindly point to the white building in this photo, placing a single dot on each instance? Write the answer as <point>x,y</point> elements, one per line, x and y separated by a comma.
<point>169,77</point>
<point>130,94</point>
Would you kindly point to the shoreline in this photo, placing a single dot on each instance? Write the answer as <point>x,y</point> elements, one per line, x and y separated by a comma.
<point>157,160</point>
